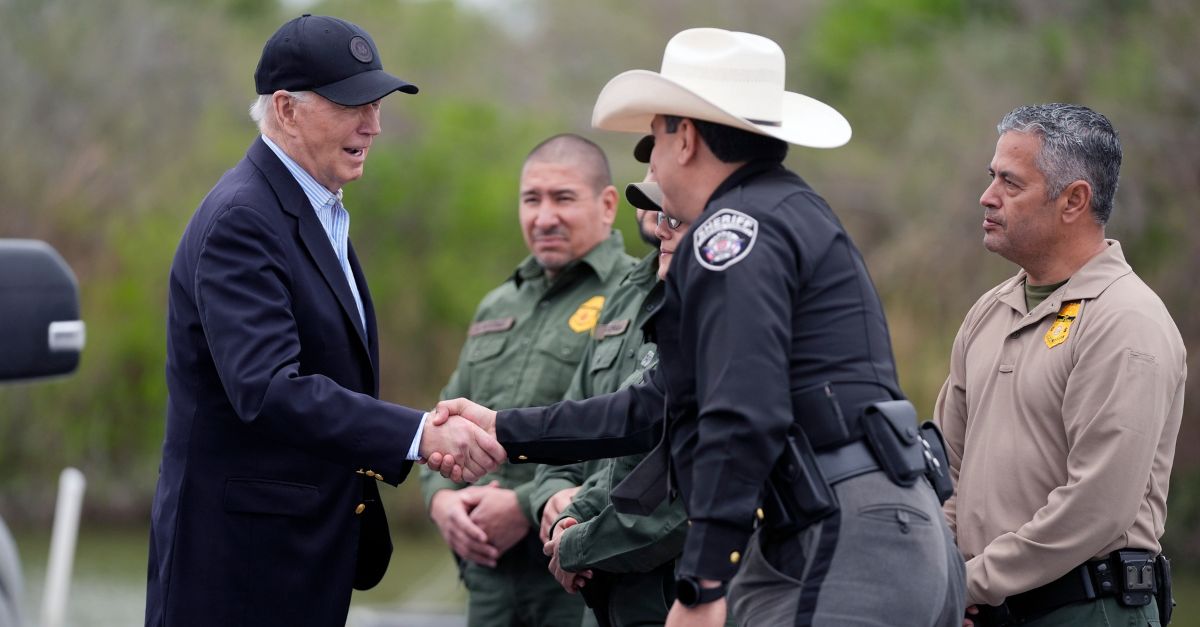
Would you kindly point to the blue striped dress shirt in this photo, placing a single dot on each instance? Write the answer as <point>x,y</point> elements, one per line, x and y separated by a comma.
<point>333,216</point>
<point>336,221</point>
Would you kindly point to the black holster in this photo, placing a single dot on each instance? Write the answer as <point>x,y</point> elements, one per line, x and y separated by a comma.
<point>797,494</point>
<point>1133,576</point>
<point>1163,595</point>
<point>937,464</point>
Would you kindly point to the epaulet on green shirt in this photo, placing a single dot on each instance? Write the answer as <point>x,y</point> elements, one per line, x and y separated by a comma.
<point>525,341</point>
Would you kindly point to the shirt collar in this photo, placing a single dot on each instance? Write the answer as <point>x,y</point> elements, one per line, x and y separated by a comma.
<point>317,194</point>
<point>744,173</point>
<point>602,259</point>
<point>1088,282</point>
<point>645,271</point>
<point>1098,273</point>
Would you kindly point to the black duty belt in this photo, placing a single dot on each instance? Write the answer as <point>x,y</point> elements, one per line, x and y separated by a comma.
<point>846,462</point>
<point>1129,575</point>
<point>828,415</point>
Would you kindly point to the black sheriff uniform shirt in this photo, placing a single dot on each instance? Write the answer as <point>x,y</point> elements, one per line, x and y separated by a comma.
<point>766,297</point>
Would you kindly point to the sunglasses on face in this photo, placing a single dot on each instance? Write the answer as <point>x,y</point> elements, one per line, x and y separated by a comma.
<point>672,223</point>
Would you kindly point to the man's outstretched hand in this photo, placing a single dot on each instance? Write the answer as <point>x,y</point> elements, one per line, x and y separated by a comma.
<point>457,447</point>
<point>451,462</point>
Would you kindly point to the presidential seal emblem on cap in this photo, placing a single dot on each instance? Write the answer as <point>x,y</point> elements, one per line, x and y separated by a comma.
<point>361,49</point>
<point>724,239</point>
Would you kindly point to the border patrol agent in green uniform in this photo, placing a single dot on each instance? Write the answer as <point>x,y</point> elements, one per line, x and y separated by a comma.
<point>522,347</point>
<point>631,559</point>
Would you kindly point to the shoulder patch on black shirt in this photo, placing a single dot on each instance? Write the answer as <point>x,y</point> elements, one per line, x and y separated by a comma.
<point>724,239</point>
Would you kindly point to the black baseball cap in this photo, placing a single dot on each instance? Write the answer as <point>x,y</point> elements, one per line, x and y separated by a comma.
<point>332,57</point>
<point>641,151</point>
<point>645,195</point>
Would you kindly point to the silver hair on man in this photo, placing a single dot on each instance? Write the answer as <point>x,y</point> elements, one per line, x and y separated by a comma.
<point>1078,144</point>
<point>260,109</point>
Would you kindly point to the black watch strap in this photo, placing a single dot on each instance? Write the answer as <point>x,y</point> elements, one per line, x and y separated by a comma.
<point>690,593</point>
<point>708,595</point>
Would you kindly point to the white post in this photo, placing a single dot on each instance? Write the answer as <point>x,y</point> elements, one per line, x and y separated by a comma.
<point>62,547</point>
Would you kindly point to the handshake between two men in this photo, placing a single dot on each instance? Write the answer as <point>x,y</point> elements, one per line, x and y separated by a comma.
<point>459,441</point>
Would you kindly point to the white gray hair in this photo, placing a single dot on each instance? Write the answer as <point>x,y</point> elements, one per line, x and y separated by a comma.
<point>262,113</point>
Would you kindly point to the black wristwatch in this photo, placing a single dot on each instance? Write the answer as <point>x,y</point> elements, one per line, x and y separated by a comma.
<point>690,594</point>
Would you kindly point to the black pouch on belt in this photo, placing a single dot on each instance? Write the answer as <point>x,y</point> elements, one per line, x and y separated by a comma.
<point>937,464</point>
<point>891,428</point>
<point>797,494</point>
<point>1166,600</point>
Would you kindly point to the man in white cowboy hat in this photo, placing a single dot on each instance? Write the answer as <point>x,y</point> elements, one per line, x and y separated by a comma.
<point>806,483</point>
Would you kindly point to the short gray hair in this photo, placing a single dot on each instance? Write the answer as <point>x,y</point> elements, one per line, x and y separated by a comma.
<point>1078,144</point>
<point>262,113</point>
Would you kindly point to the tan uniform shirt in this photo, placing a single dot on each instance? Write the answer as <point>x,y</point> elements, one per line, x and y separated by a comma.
<point>1061,426</point>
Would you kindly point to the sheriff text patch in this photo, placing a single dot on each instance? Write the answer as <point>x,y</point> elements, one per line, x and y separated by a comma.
<point>724,239</point>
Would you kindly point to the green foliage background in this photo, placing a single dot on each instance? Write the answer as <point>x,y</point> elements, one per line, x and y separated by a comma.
<point>116,118</point>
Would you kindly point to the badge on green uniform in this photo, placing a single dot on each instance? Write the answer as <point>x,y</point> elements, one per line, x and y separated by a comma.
<point>584,318</point>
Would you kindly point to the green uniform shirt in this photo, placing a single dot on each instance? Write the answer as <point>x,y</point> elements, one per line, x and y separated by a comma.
<point>525,341</point>
<point>615,352</point>
<point>617,356</point>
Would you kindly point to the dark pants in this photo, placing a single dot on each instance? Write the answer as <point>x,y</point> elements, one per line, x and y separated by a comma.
<point>637,599</point>
<point>519,591</point>
<point>1104,612</point>
<point>886,558</point>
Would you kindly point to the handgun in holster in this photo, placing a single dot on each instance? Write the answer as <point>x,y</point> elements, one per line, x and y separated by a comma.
<point>797,494</point>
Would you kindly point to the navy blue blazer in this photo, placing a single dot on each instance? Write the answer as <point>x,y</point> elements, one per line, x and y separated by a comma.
<point>267,510</point>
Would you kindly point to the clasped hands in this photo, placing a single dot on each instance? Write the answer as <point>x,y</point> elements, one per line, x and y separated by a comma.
<point>468,457</point>
<point>459,441</point>
<point>472,452</point>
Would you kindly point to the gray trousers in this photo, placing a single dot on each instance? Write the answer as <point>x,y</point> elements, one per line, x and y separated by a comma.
<point>886,558</point>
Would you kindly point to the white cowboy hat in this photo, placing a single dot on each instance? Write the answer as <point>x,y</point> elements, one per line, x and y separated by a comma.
<point>721,76</point>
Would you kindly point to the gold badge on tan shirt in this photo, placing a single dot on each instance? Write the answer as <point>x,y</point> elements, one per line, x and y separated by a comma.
<point>1062,324</point>
<point>584,318</point>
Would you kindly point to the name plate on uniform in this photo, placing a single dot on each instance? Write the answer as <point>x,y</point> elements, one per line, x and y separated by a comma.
<point>609,329</point>
<point>491,326</point>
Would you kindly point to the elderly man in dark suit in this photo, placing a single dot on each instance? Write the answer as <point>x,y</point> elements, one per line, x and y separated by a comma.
<point>267,509</point>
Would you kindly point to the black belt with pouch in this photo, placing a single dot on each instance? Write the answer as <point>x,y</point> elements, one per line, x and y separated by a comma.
<point>906,451</point>
<point>819,452</point>
<point>1134,577</point>
<point>800,490</point>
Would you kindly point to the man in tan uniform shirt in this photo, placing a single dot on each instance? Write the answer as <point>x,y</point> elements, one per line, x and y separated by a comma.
<point>1065,392</point>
